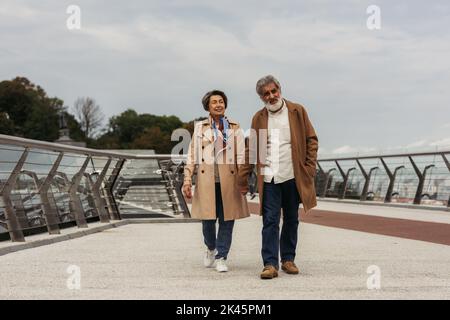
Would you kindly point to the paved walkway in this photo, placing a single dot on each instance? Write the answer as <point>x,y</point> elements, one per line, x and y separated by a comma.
<point>164,261</point>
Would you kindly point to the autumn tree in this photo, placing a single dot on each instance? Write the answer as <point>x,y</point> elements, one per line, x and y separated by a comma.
<point>89,115</point>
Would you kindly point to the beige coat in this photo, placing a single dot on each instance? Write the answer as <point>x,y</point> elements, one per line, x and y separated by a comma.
<point>201,161</point>
<point>304,144</point>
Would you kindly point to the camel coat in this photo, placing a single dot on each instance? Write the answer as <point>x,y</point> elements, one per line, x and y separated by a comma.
<point>201,161</point>
<point>304,144</point>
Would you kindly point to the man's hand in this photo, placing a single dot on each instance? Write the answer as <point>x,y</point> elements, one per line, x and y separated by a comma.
<point>187,190</point>
<point>243,190</point>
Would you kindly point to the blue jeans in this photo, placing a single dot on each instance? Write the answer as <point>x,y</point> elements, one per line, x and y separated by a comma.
<point>276,197</point>
<point>223,241</point>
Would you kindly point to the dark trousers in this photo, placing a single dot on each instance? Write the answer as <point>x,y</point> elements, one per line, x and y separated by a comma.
<point>223,240</point>
<point>276,197</point>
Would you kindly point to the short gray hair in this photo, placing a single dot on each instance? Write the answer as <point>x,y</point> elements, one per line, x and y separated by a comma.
<point>264,81</point>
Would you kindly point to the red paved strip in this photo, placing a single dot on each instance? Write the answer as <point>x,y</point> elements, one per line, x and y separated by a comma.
<point>402,228</point>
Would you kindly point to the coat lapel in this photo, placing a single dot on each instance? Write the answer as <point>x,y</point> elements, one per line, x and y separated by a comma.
<point>261,131</point>
<point>207,130</point>
<point>292,123</point>
<point>263,119</point>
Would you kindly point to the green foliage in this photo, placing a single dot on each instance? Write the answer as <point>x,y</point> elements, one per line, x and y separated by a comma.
<point>131,130</point>
<point>27,111</point>
<point>75,131</point>
<point>153,138</point>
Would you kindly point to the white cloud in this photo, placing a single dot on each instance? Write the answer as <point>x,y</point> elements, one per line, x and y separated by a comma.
<point>363,89</point>
<point>14,10</point>
<point>417,144</point>
<point>353,150</point>
<point>443,143</point>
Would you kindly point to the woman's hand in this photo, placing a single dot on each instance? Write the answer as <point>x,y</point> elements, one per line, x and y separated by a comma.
<point>187,190</point>
<point>243,190</point>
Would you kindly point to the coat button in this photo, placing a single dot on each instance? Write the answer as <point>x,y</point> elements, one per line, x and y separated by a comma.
<point>203,147</point>
<point>203,171</point>
<point>203,160</point>
<point>232,172</point>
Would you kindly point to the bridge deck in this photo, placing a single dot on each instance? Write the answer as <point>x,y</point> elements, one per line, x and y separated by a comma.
<point>164,261</point>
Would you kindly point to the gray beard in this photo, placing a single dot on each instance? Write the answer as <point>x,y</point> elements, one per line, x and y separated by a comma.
<point>276,106</point>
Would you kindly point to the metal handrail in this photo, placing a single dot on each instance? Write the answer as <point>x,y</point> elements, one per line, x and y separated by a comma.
<point>323,179</point>
<point>398,155</point>
<point>57,147</point>
<point>324,174</point>
<point>105,205</point>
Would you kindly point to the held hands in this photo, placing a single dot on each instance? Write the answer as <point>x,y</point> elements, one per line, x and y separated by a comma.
<point>243,189</point>
<point>187,190</point>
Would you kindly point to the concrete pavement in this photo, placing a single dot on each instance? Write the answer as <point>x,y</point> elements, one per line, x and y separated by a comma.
<point>164,261</point>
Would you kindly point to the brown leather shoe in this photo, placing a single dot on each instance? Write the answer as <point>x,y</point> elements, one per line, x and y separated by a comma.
<point>269,272</point>
<point>289,267</point>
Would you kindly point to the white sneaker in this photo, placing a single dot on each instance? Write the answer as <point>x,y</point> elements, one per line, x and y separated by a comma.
<point>210,256</point>
<point>221,266</point>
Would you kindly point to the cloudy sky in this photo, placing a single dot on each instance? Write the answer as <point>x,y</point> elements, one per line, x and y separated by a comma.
<point>366,90</point>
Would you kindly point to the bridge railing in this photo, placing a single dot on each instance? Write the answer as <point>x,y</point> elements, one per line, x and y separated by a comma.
<point>414,178</point>
<point>48,185</point>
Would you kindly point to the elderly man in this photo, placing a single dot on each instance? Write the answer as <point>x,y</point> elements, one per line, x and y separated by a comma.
<point>284,146</point>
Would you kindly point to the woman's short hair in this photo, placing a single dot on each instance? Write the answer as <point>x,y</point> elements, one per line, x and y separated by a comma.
<point>264,81</point>
<point>208,95</point>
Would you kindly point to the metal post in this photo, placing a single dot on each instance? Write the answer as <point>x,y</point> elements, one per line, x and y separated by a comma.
<point>421,176</point>
<point>35,178</point>
<point>345,182</point>
<point>343,178</point>
<point>367,177</point>
<point>366,181</point>
<point>15,232</point>
<point>388,197</point>
<point>90,198</point>
<point>113,208</point>
<point>322,174</point>
<point>166,175</point>
<point>50,210</point>
<point>447,163</point>
<point>178,181</point>
<point>19,210</point>
<point>75,202</point>
<point>95,188</point>
<point>327,179</point>
<point>174,188</point>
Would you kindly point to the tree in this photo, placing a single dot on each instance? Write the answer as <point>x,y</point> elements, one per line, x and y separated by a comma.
<point>75,131</point>
<point>89,115</point>
<point>6,124</point>
<point>126,127</point>
<point>106,141</point>
<point>30,112</point>
<point>43,121</point>
<point>153,138</point>
<point>133,130</point>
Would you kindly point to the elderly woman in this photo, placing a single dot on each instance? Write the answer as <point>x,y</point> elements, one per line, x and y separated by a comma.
<point>216,148</point>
